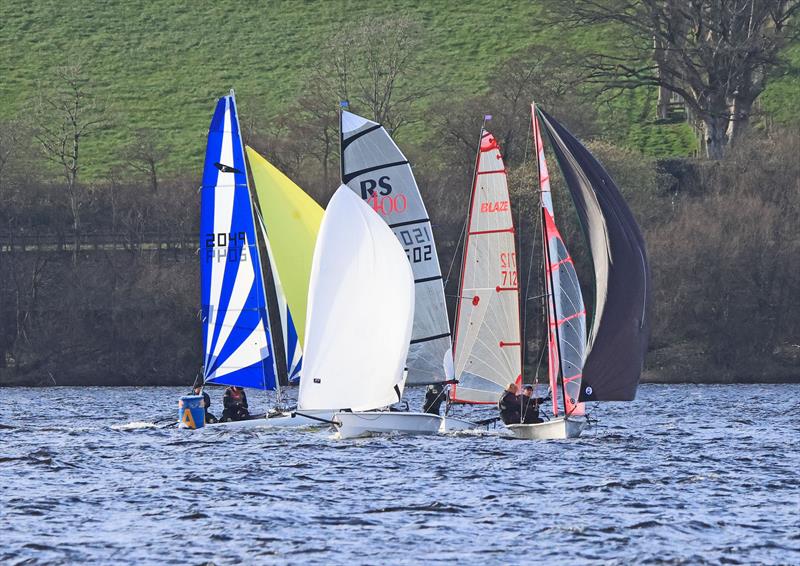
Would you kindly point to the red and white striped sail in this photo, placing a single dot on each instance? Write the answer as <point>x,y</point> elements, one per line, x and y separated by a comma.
<point>566,313</point>
<point>487,354</point>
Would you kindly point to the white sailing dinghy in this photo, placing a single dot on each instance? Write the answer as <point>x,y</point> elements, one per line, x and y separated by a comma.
<point>608,366</point>
<point>237,341</point>
<point>359,323</point>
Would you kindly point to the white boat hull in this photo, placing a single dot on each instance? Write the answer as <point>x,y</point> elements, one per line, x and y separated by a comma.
<point>555,429</point>
<point>451,424</point>
<point>282,420</point>
<point>355,424</point>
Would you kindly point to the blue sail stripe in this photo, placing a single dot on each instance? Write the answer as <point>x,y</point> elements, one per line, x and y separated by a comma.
<point>291,349</point>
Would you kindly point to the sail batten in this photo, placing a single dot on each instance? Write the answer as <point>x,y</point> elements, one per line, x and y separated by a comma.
<point>487,356</point>
<point>236,333</point>
<point>619,334</point>
<point>377,171</point>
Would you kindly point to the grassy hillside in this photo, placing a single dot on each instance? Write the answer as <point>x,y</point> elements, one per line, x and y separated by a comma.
<point>160,64</point>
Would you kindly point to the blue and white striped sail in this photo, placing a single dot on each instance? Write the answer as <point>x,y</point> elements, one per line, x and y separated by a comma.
<point>236,336</point>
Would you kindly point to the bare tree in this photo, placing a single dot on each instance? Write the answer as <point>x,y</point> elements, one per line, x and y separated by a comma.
<point>372,66</point>
<point>9,134</point>
<point>63,115</point>
<point>718,55</point>
<point>145,154</point>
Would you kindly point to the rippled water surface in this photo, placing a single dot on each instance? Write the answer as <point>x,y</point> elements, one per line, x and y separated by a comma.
<point>685,474</point>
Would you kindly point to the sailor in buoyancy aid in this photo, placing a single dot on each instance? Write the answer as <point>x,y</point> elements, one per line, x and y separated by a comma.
<point>235,403</point>
<point>529,406</point>
<point>509,405</point>
<point>434,396</point>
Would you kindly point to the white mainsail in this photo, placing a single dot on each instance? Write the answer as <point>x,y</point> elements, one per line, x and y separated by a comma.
<point>488,354</point>
<point>377,171</point>
<point>360,311</point>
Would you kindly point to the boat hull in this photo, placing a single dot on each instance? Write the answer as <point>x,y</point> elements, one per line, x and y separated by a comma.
<point>366,423</point>
<point>282,420</point>
<point>555,429</point>
<point>451,424</point>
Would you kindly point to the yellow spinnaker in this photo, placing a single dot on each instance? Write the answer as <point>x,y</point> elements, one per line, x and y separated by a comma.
<point>292,219</point>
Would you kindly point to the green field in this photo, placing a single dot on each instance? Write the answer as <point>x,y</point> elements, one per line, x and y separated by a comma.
<point>161,64</point>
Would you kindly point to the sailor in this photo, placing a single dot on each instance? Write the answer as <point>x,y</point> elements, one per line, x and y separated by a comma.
<point>434,396</point>
<point>529,406</point>
<point>198,390</point>
<point>509,405</point>
<point>235,402</point>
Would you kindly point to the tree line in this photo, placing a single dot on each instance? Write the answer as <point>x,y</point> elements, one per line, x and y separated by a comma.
<point>721,230</point>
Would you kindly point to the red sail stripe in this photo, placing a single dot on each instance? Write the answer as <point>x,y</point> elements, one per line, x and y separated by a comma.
<point>492,231</point>
<point>563,261</point>
<point>491,172</point>
<point>570,317</point>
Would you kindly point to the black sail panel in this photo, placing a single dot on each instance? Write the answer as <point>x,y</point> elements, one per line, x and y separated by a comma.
<point>621,326</point>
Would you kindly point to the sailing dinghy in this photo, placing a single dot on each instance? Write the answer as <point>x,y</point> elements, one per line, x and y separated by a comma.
<point>566,320</point>
<point>359,323</point>
<point>237,342</point>
<point>608,365</point>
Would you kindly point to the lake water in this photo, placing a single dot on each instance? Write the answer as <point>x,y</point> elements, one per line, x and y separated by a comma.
<point>685,474</point>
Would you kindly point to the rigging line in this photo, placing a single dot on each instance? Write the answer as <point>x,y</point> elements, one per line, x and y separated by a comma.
<point>469,205</point>
<point>455,252</point>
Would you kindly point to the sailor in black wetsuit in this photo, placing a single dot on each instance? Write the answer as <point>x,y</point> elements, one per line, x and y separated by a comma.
<point>434,397</point>
<point>509,405</point>
<point>198,390</point>
<point>529,406</point>
<point>235,403</point>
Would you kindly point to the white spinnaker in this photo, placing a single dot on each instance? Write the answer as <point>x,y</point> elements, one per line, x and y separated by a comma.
<point>377,171</point>
<point>487,340</point>
<point>360,311</point>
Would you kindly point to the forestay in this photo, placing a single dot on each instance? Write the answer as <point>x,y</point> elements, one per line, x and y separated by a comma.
<point>360,311</point>
<point>377,171</point>
<point>292,219</point>
<point>620,327</point>
<point>566,314</point>
<point>488,354</point>
<point>236,335</point>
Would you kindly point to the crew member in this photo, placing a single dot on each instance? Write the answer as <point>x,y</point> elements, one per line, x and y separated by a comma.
<point>198,390</point>
<point>234,402</point>
<point>509,405</point>
<point>529,406</point>
<point>434,396</point>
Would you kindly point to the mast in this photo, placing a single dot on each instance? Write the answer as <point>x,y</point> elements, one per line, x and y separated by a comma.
<point>464,250</point>
<point>259,276</point>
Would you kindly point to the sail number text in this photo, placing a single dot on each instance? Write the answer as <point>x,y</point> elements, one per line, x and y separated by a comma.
<point>228,246</point>
<point>508,269</point>
<point>417,243</point>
